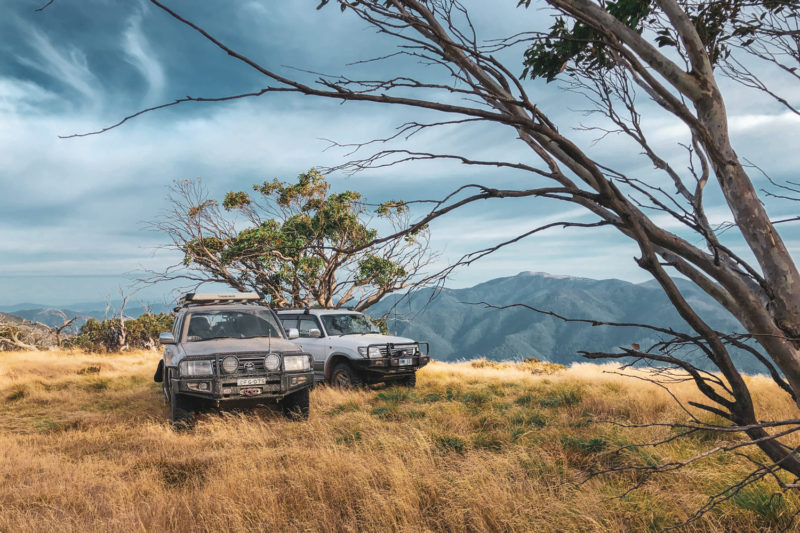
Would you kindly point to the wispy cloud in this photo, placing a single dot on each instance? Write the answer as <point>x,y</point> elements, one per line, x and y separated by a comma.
<point>22,96</point>
<point>140,54</point>
<point>65,64</point>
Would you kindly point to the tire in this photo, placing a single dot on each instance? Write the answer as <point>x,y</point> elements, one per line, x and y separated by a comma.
<point>159,375</point>
<point>344,377</point>
<point>181,411</point>
<point>295,405</point>
<point>409,381</point>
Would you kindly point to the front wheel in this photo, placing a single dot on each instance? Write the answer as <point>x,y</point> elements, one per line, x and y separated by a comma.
<point>295,405</point>
<point>181,411</point>
<point>344,377</point>
<point>409,381</point>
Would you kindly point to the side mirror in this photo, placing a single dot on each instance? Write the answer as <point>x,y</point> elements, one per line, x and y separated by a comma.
<point>293,333</point>
<point>166,338</point>
<point>314,332</point>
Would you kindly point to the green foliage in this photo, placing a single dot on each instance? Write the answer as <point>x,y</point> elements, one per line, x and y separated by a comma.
<point>584,446</point>
<point>387,412</point>
<point>572,45</point>
<point>236,200</point>
<point>450,443</point>
<point>760,499</point>
<point>382,323</point>
<point>110,335</point>
<point>378,271</point>
<point>578,43</point>
<point>345,407</point>
<point>304,245</point>
<point>432,397</point>
<point>199,209</point>
<point>397,395</point>
<point>561,396</point>
<point>396,206</point>
<point>532,419</point>
<point>17,393</point>
<point>476,398</point>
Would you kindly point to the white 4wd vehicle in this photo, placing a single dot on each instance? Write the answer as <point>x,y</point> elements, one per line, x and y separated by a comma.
<point>349,350</point>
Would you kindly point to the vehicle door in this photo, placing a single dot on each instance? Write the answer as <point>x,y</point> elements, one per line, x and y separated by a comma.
<point>312,341</point>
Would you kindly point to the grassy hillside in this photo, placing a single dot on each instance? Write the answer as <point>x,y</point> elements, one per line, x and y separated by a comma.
<point>477,446</point>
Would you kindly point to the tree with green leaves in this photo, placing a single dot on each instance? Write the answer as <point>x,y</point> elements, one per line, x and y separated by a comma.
<point>124,333</point>
<point>298,244</point>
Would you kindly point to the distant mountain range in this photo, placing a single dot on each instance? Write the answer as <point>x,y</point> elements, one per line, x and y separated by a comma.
<point>457,329</point>
<point>52,316</point>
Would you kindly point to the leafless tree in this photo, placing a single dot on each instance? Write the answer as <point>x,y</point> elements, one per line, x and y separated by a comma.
<point>624,57</point>
<point>19,334</point>
<point>66,323</point>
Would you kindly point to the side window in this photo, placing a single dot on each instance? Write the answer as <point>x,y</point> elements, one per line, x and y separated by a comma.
<point>307,323</point>
<point>288,322</point>
<point>176,328</point>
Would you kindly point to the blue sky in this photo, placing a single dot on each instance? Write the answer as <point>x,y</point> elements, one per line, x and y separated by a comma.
<point>74,212</point>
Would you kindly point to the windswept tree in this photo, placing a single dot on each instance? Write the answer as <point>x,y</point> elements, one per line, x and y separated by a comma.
<point>296,243</point>
<point>665,57</point>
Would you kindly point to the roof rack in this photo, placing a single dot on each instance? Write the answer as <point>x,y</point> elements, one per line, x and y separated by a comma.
<point>217,298</point>
<point>306,310</point>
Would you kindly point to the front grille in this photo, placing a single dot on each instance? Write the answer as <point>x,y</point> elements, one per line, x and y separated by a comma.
<point>397,351</point>
<point>244,368</point>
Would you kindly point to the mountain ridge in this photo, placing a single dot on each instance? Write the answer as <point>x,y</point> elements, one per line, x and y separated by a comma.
<point>457,330</point>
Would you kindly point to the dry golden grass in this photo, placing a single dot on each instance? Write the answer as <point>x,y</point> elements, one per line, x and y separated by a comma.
<point>84,446</point>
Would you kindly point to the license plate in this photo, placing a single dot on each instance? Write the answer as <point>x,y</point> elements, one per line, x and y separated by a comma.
<point>404,362</point>
<point>250,381</point>
<point>249,392</point>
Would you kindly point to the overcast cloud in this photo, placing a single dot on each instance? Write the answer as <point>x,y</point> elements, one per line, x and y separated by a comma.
<point>76,210</point>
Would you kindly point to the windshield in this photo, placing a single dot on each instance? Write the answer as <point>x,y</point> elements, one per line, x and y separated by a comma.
<point>240,324</point>
<point>350,324</point>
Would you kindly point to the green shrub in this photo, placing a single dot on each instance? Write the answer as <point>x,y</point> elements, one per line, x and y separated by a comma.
<point>113,335</point>
<point>432,397</point>
<point>18,392</point>
<point>396,395</point>
<point>345,407</point>
<point>450,443</point>
<point>525,399</point>
<point>562,396</point>
<point>593,445</point>
<point>533,419</point>
<point>476,399</point>
<point>759,499</point>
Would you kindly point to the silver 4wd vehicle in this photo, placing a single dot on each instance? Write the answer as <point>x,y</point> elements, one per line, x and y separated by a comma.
<point>348,349</point>
<point>227,349</point>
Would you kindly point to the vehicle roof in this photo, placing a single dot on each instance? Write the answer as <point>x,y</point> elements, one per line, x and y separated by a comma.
<point>222,307</point>
<point>318,312</point>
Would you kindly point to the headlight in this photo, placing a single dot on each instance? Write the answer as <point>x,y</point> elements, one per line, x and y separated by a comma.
<point>195,368</point>
<point>294,363</point>
<point>230,364</point>
<point>272,362</point>
<point>373,351</point>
